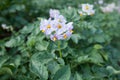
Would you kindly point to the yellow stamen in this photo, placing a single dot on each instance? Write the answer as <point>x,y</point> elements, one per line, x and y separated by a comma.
<point>48,26</point>
<point>59,26</point>
<point>81,14</point>
<point>59,20</point>
<point>43,31</point>
<point>87,7</point>
<point>65,36</point>
<point>54,39</point>
<point>92,14</point>
<point>71,31</point>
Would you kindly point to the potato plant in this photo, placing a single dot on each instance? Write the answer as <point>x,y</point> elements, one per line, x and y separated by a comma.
<point>89,52</point>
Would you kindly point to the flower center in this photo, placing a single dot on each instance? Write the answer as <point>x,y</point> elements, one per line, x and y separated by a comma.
<point>59,20</point>
<point>81,14</point>
<point>59,26</point>
<point>91,14</point>
<point>43,30</point>
<point>48,26</point>
<point>71,31</point>
<point>65,36</point>
<point>54,38</point>
<point>86,7</point>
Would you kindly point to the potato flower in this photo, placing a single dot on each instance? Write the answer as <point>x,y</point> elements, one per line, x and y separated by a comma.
<point>54,13</point>
<point>81,13</point>
<point>56,27</point>
<point>109,8</point>
<point>100,1</point>
<point>87,9</point>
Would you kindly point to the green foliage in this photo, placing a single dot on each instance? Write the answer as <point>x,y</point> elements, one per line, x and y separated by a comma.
<point>62,74</point>
<point>92,52</point>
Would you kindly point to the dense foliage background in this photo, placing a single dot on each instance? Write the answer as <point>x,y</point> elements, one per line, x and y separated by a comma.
<point>92,53</point>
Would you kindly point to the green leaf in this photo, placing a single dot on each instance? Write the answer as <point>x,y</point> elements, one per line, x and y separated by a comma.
<point>53,67</point>
<point>3,59</point>
<point>42,57</point>
<point>17,60</point>
<point>104,55</point>
<point>5,70</point>
<point>38,62</point>
<point>77,77</point>
<point>61,61</point>
<point>27,29</point>
<point>99,38</point>
<point>10,43</point>
<point>23,77</point>
<point>95,57</point>
<point>13,42</point>
<point>63,74</point>
<point>82,59</point>
<point>2,49</point>
<point>75,38</point>
<point>39,70</point>
<point>31,41</point>
<point>54,46</point>
<point>112,71</point>
<point>97,46</point>
<point>42,45</point>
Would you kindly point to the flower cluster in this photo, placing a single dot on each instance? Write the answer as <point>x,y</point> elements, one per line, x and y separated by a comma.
<point>87,9</point>
<point>109,8</point>
<point>56,27</point>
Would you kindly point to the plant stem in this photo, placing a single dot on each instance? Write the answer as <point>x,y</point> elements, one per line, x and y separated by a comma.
<point>60,53</point>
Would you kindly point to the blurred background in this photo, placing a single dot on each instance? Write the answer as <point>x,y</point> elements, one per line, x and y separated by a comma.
<point>18,13</point>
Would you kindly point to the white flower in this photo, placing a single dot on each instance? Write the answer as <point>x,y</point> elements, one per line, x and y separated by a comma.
<point>56,27</point>
<point>100,1</point>
<point>60,18</point>
<point>4,26</point>
<point>118,9</point>
<point>46,26</point>
<point>87,7</point>
<point>81,13</point>
<point>54,13</point>
<point>109,8</point>
<point>91,12</point>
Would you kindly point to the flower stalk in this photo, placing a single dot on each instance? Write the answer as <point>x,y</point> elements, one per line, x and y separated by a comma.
<point>60,53</point>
